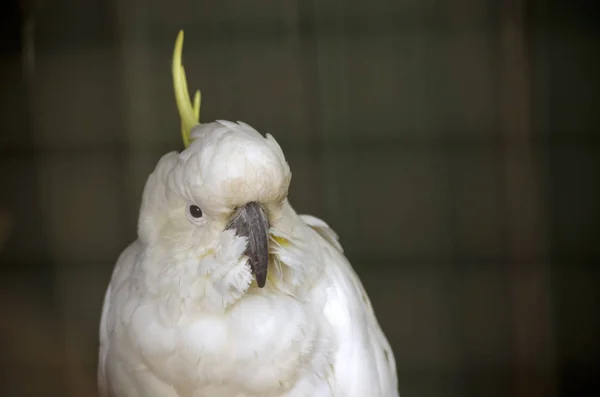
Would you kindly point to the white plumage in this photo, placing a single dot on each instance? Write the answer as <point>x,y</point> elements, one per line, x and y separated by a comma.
<point>183,315</point>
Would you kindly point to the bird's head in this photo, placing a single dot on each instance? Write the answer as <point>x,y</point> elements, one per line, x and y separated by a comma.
<point>208,209</point>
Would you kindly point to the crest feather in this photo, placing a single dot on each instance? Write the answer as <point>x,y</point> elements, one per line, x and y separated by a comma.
<point>188,113</point>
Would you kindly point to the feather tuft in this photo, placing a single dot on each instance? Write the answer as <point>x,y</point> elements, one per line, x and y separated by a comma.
<point>189,112</point>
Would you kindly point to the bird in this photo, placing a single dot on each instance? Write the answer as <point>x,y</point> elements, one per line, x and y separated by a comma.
<point>227,291</point>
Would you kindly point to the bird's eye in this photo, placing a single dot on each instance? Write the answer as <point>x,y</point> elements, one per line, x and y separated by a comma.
<point>195,211</point>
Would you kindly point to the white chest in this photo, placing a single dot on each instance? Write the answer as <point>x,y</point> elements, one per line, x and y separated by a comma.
<point>263,345</point>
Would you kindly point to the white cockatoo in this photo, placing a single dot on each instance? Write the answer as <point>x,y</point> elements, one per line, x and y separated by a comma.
<point>227,292</point>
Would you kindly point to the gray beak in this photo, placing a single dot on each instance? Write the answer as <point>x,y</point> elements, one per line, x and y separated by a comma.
<point>251,222</point>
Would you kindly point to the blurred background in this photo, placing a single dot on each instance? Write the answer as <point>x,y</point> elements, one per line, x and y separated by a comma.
<point>453,145</point>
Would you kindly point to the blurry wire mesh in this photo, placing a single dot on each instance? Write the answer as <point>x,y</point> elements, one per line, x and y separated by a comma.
<point>435,137</point>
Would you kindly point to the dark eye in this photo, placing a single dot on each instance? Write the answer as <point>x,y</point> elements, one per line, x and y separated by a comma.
<point>195,211</point>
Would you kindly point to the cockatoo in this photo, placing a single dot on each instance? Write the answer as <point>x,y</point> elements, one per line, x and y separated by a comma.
<point>228,292</point>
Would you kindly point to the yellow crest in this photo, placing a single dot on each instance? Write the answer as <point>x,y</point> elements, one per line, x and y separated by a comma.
<point>188,113</point>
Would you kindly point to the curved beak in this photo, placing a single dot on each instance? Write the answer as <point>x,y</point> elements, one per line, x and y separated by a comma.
<point>251,222</point>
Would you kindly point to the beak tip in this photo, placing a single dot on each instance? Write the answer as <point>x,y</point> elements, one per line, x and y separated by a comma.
<point>260,275</point>
<point>261,281</point>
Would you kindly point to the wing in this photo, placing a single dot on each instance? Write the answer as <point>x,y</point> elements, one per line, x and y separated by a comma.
<point>364,363</point>
<point>120,273</point>
<point>104,345</point>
